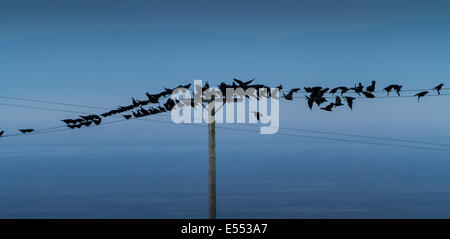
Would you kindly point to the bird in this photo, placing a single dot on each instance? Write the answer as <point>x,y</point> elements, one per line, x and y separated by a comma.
<point>388,89</point>
<point>24,131</point>
<point>338,102</point>
<point>328,107</point>
<point>243,83</point>
<point>343,90</point>
<point>334,90</point>
<point>421,94</point>
<point>319,100</point>
<point>349,101</point>
<point>154,99</point>
<point>136,114</point>
<point>135,103</point>
<point>397,88</point>
<point>1,133</point>
<point>358,89</point>
<point>371,88</point>
<point>438,88</point>
<point>290,94</point>
<point>257,115</point>
<point>96,119</point>
<point>310,102</point>
<point>323,91</point>
<point>368,95</point>
<point>127,117</point>
<point>68,121</point>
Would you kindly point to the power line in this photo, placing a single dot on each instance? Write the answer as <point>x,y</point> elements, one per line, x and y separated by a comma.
<point>294,129</point>
<point>256,131</point>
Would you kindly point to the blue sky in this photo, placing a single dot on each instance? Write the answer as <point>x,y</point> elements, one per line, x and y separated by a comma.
<point>99,53</point>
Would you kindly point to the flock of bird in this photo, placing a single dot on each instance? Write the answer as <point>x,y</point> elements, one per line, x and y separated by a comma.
<point>316,96</point>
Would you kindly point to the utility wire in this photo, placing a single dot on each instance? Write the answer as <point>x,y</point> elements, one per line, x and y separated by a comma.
<point>256,131</point>
<point>294,129</point>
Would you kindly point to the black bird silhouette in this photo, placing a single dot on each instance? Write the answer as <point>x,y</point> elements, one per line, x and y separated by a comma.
<point>136,114</point>
<point>371,88</point>
<point>349,101</point>
<point>127,117</point>
<point>310,102</point>
<point>421,94</point>
<point>96,119</point>
<point>319,100</point>
<point>368,95</point>
<point>135,103</point>
<point>68,121</point>
<point>24,131</point>
<point>154,99</point>
<point>1,133</point>
<point>161,109</point>
<point>438,88</point>
<point>291,93</point>
<point>329,107</point>
<point>397,88</point>
<point>338,102</point>
<point>243,84</point>
<point>343,90</point>
<point>388,89</point>
<point>334,90</point>
<point>322,92</point>
<point>358,89</point>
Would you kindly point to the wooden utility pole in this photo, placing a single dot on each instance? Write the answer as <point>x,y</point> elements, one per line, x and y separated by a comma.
<point>212,161</point>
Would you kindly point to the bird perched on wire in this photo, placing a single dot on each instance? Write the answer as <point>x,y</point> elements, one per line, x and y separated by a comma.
<point>289,96</point>
<point>328,107</point>
<point>438,88</point>
<point>358,89</point>
<point>388,89</point>
<point>349,101</point>
<point>397,88</point>
<point>371,88</point>
<point>421,94</point>
<point>24,131</point>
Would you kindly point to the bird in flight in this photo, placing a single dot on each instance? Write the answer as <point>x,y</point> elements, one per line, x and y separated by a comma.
<point>368,95</point>
<point>349,101</point>
<point>291,93</point>
<point>334,90</point>
<point>421,94</point>
<point>328,107</point>
<point>24,131</point>
<point>438,88</point>
<point>243,84</point>
<point>371,88</point>
<point>310,102</point>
